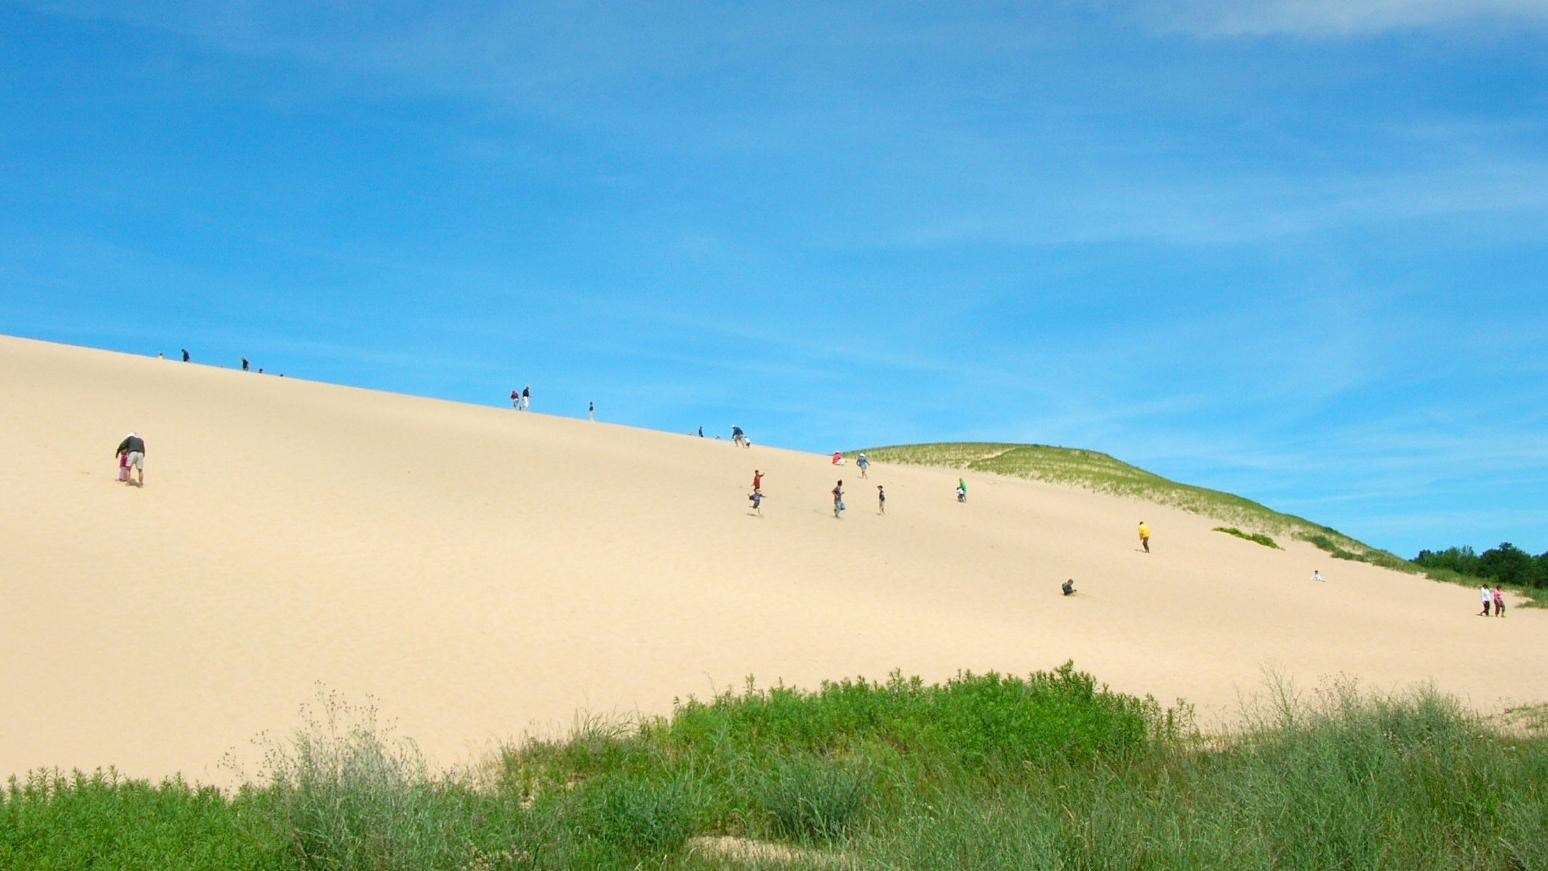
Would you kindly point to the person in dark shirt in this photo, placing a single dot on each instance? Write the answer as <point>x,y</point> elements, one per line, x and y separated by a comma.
<point>132,449</point>
<point>185,355</point>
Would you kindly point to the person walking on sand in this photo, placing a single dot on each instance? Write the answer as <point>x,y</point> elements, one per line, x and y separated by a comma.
<point>961,490</point>
<point>591,411</point>
<point>864,464</point>
<point>1487,599</point>
<point>838,498</point>
<point>881,500</point>
<point>1144,534</point>
<point>1499,601</point>
<point>132,449</point>
<point>185,355</point>
<point>245,365</point>
<point>526,398</point>
<point>516,400</point>
<point>757,480</point>
<point>757,501</point>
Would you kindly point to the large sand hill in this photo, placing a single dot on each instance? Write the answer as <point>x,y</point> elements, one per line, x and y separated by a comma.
<point>483,574</point>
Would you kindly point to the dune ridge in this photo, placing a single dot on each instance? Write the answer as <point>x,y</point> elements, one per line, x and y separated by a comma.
<point>483,574</point>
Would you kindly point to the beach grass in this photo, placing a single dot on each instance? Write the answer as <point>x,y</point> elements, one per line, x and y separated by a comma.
<point>1254,537</point>
<point>1101,473</point>
<point>1048,770</point>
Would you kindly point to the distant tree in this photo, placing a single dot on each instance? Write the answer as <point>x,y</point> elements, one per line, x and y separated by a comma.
<point>1509,564</point>
<point>1458,559</point>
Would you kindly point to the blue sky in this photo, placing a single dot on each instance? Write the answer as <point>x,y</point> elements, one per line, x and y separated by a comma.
<point>1293,250</point>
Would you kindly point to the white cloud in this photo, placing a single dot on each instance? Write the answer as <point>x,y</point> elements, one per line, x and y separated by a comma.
<point>1337,18</point>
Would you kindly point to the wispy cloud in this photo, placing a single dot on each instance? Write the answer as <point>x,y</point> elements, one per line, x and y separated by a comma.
<point>1336,18</point>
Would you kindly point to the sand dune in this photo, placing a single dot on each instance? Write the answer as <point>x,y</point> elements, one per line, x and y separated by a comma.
<point>482,573</point>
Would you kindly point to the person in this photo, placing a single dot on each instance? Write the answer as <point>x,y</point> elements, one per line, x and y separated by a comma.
<point>244,364</point>
<point>864,464</point>
<point>123,468</point>
<point>881,500</point>
<point>526,398</point>
<point>838,498</point>
<point>1068,587</point>
<point>757,480</point>
<point>132,449</point>
<point>1144,534</point>
<point>1499,601</point>
<point>1487,599</point>
<point>838,458</point>
<point>516,399</point>
<point>757,501</point>
<point>961,490</point>
<point>737,436</point>
<point>591,411</point>
<point>701,432</point>
<point>185,355</point>
<point>1316,576</point>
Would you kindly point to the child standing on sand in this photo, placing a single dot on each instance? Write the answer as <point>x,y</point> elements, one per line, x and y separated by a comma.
<point>881,500</point>
<point>838,498</point>
<point>1486,598</point>
<point>1499,601</point>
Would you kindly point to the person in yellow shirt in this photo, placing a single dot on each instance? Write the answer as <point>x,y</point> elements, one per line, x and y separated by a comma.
<point>1144,536</point>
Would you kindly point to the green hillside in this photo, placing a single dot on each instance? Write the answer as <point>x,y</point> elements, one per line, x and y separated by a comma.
<point>1098,472</point>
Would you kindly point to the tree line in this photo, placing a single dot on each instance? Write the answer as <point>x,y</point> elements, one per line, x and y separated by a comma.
<point>1506,564</point>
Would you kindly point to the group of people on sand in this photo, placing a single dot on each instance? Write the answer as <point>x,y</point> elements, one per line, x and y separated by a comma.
<point>521,400</point>
<point>1495,597</point>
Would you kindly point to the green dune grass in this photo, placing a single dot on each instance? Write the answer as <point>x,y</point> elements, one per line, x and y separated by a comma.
<point>1101,473</point>
<point>1051,770</point>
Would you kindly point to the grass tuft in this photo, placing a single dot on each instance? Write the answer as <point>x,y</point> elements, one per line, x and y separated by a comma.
<point>1257,537</point>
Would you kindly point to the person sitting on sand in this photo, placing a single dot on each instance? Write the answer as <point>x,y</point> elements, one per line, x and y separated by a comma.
<point>1068,587</point>
<point>132,449</point>
<point>961,490</point>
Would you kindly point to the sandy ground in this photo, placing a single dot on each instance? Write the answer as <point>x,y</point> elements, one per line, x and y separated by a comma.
<point>478,575</point>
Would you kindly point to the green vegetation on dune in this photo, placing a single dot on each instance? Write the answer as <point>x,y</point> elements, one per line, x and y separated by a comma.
<point>1100,473</point>
<point>1255,538</point>
<point>984,771</point>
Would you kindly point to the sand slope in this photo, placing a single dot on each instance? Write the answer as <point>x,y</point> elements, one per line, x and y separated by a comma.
<point>484,573</point>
